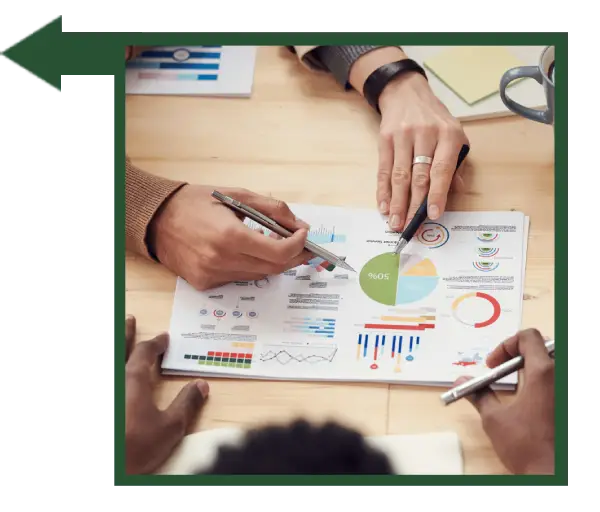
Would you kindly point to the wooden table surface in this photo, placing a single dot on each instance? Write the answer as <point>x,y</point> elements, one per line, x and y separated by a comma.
<point>297,126</point>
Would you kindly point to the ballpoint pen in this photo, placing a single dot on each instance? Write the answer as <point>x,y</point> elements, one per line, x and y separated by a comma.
<point>421,213</point>
<point>270,224</point>
<point>495,374</point>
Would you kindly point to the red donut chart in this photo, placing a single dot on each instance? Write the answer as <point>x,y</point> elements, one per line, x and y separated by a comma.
<point>477,295</point>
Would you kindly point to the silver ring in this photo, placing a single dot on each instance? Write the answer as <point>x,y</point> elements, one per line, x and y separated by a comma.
<point>422,160</point>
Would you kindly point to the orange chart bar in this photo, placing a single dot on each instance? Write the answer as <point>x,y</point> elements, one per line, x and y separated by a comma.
<point>390,327</point>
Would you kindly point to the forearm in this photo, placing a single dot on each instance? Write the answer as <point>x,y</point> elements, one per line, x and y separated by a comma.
<point>351,65</point>
<point>144,195</point>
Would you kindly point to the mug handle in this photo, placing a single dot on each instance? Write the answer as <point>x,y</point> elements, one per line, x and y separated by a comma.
<point>541,116</point>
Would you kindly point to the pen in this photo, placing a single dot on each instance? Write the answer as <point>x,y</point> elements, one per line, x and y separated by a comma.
<point>421,213</point>
<point>269,223</point>
<point>495,374</point>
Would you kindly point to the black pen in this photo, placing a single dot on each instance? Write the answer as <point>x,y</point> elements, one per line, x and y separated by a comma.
<point>421,213</point>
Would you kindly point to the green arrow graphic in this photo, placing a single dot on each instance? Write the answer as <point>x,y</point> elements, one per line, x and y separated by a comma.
<point>50,55</point>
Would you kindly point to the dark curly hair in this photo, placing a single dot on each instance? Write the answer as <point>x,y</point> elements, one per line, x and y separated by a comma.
<point>302,449</point>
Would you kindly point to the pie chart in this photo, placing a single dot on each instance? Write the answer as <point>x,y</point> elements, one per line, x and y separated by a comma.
<point>391,279</point>
<point>476,309</point>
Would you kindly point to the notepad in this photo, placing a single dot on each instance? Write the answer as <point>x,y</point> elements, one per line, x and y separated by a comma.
<point>422,454</point>
<point>473,72</point>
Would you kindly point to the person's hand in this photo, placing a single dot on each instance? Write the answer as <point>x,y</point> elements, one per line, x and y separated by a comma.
<point>151,435</point>
<point>208,245</point>
<point>522,431</point>
<point>415,123</point>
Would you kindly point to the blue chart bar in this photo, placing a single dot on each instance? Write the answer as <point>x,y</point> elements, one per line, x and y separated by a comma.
<point>172,65</point>
<point>366,343</point>
<point>382,343</point>
<point>323,235</point>
<point>166,54</point>
<point>418,339</point>
<point>393,345</point>
<point>411,343</point>
<point>400,345</point>
<point>324,327</point>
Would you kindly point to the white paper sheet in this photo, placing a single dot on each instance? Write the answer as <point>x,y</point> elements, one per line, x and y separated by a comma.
<point>193,70</point>
<point>456,293</point>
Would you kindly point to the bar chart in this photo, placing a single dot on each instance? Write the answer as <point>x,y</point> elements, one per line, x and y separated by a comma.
<point>318,235</point>
<point>317,327</point>
<point>190,63</point>
<point>192,70</point>
<point>378,347</point>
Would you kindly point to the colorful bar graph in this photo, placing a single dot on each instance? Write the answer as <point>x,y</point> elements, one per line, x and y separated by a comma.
<point>167,54</point>
<point>379,346</point>
<point>228,359</point>
<point>418,319</point>
<point>173,65</point>
<point>392,327</point>
<point>323,235</point>
<point>159,76</point>
<point>322,327</point>
<point>178,64</point>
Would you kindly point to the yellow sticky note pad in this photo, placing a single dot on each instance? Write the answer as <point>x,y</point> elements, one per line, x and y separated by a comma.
<point>472,72</point>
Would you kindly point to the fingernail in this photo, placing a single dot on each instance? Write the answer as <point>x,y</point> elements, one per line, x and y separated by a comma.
<point>129,317</point>
<point>434,212</point>
<point>395,221</point>
<point>383,207</point>
<point>203,387</point>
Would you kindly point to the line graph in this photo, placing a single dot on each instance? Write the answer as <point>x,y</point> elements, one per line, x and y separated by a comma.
<point>283,354</point>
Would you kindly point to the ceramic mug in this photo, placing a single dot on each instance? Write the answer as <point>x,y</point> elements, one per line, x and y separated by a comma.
<point>543,74</point>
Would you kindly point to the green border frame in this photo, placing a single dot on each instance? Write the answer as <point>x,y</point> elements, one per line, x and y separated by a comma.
<point>50,53</point>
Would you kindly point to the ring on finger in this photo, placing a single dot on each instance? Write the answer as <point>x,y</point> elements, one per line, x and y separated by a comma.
<point>427,160</point>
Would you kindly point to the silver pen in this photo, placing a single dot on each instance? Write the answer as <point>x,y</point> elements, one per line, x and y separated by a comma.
<point>495,374</point>
<point>269,223</point>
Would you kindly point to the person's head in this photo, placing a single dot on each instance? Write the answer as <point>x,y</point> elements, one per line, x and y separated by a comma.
<point>301,448</point>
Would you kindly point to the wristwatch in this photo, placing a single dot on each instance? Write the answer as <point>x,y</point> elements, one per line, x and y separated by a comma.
<point>382,76</point>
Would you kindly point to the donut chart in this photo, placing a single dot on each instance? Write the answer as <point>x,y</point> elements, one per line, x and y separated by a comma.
<point>476,309</point>
<point>487,236</point>
<point>433,235</point>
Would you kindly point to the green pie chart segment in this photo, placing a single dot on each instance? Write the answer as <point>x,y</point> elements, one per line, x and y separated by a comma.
<point>388,282</point>
<point>379,278</point>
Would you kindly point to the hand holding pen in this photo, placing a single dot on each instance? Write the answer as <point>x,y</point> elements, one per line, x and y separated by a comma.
<point>522,430</point>
<point>420,215</point>
<point>209,245</point>
<point>326,258</point>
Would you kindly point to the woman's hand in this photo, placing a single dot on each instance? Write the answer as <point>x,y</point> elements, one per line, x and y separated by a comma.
<point>415,123</point>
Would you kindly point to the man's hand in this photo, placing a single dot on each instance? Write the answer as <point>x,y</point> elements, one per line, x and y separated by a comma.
<point>415,123</point>
<point>208,245</point>
<point>151,435</point>
<point>522,432</point>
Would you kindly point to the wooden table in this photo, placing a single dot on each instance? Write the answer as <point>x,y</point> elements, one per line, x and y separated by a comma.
<point>299,125</point>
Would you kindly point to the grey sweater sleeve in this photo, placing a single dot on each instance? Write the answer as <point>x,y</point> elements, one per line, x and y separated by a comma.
<point>339,59</point>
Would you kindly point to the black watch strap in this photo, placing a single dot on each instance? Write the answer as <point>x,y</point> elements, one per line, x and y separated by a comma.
<point>382,76</point>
